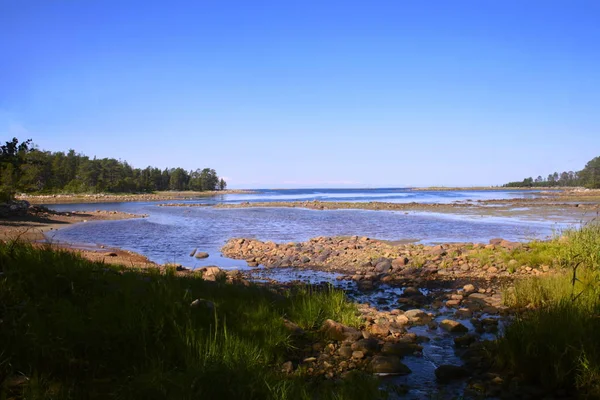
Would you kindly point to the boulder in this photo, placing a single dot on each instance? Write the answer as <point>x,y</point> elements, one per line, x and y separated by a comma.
<point>367,346</point>
<point>383,267</point>
<point>212,273</point>
<point>417,316</point>
<point>389,365</point>
<point>453,326</point>
<point>333,330</point>
<point>200,254</point>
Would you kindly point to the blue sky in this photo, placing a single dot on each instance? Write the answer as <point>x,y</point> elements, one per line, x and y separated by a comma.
<point>309,94</point>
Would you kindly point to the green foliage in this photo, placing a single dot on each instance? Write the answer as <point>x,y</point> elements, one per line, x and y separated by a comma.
<point>553,342</point>
<point>311,306</point>
<point>590,175</point>
<point>79,329</point>
<point>25,168</point>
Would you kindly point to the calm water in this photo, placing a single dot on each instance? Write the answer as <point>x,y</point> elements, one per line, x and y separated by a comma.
<point>170,233</point>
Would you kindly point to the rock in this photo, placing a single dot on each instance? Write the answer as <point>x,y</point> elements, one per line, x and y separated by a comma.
<point>446,373</point>
<point>453,326</point>
<point>381,329</point>
<point>496,241</point>
<point>383,267</point>
<point>463,313</point>
<point>389,365</point>
<point>202,303</point>
<point>479,298</point>
<point>400,349</point>
<point>465,340</point>
<point>294,329</point>
<point>333,330</point>
<point>399,262</point>
<point>287,367</point>
<point>437,251</point>
<point>469,288</point>
<point>417,316</point>
<point>492,270</point>
<point>345,351</point>
<point>411,291</point>
<point>212,273</point>
<point>201,254</point>
<point>112,254</point>
<point>193,252</point>
<point>358,354</point>
<point>367,346</point>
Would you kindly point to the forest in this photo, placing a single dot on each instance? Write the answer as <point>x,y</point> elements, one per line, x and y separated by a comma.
<point>588,177</point>
<point>27,169</point>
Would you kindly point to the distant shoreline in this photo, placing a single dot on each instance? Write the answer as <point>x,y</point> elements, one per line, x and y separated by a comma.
<point>125,197</point>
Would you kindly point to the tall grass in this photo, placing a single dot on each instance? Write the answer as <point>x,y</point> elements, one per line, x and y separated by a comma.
<point>554,340</point>
<point>77,329</point>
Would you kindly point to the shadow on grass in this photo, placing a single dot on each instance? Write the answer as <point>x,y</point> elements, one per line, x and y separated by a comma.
<point>74,329</point>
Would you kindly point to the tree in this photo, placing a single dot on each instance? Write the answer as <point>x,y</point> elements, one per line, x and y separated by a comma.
<point>590,175</point>
<point>12,157</point>
<point>222,184</point>
<point>209,179</point>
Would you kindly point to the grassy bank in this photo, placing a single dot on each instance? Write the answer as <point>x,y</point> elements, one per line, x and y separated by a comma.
<point>554,340</point>
<point>73,329</point>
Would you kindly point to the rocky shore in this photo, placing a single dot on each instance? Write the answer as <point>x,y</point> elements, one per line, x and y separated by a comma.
<point>421,295</point>
<point>111,197</point>
<point>551,206</point>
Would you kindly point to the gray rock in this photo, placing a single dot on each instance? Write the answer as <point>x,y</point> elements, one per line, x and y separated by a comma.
<point>383,267</point>
<point>201,254</point>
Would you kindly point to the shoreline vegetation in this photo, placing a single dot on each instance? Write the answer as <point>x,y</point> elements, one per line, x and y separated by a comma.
<point>25,168</point>
<point>297,341</point>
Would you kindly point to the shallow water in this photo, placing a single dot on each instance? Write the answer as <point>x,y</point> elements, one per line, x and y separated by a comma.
<point>439,350</point>
<point>169,234</point>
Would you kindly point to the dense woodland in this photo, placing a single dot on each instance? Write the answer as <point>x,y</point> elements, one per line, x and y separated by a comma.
<point>24,168</point>
<point>587,177</point>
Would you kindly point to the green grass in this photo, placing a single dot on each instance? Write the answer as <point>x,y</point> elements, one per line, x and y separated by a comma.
<point>564,250</point>
<point>554,340</point>
<point>78,329</point>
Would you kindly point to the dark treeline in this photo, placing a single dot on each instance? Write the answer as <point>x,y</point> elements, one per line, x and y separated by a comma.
<point>24,168</point>
<point>588,177</point>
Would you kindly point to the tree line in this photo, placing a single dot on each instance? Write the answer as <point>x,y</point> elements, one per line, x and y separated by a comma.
<point>588,177</point>
<point>25,168</point>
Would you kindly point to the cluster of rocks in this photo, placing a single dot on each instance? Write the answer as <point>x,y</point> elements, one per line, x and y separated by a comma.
<point>336,205</point>
<point>370,261</point>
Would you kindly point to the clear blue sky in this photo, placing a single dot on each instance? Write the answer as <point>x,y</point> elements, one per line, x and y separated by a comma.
<point>309,93</point>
